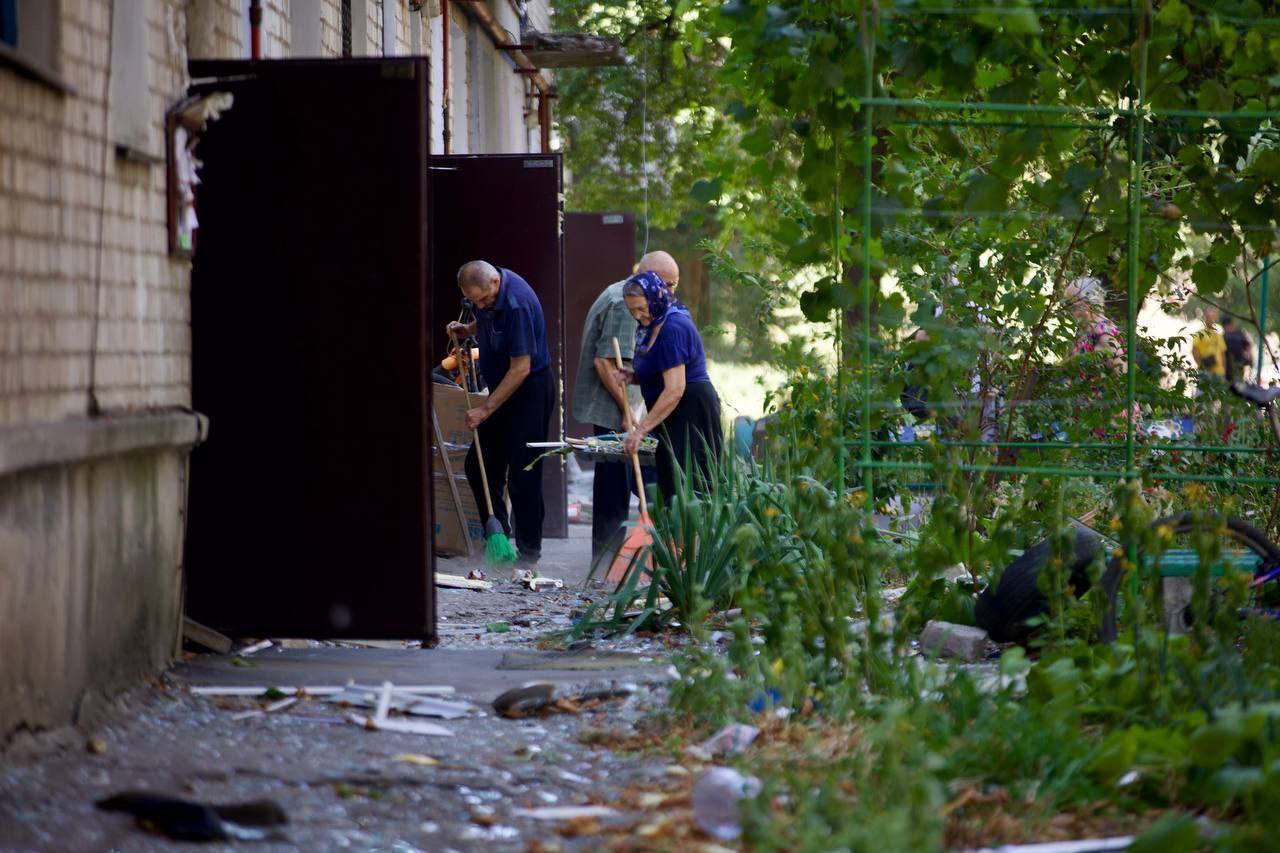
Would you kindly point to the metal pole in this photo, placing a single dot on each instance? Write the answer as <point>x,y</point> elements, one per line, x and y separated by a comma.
<point>445,99</point>
<point>1073,445</point>
<point>1053,109</point>
<point>255,29</point>
<point>868,64</point>
<point>1094,473</point>
<point>1262,316</point>
<point>837,212</point>
<point>1135,230</point>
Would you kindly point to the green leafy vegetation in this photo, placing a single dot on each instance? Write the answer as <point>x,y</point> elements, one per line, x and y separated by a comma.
<point>1150,166</point>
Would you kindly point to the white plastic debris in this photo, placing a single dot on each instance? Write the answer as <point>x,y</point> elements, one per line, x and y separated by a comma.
<point>1086,845</point>
<point>261,690</point>
<point>732,740</point>
<point>414,701</point>
<point>411,727</point>
<point>255,648</point>
<point>565,812</point>
<point>717,796</point>
<point>537,584</point>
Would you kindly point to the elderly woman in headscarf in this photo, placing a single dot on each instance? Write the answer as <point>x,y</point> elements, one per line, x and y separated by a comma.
<point>670,366</point>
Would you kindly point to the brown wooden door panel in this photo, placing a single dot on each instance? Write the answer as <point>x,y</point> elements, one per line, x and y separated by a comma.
<point>505,209</point>
<point>599,249</point>
<point>310,504</point>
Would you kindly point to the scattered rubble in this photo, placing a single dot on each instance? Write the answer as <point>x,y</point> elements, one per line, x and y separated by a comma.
<point>544,698</point>
<point>731,740</point>
<point>255,648</point>
<point>948,640</point>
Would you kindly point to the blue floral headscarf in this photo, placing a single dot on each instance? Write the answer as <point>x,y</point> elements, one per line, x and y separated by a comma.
<point>662,303</point>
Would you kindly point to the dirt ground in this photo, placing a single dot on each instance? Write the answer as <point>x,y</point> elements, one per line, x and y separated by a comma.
<point>346,787</point>
<point>342,786</point>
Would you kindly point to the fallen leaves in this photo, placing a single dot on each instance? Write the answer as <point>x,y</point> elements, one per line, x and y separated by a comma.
<point>977,818</point>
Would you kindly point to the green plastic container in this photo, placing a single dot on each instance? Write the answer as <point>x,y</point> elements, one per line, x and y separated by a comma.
<point>1182,563</point>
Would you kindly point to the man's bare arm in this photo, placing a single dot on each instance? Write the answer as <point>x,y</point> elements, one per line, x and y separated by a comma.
<point>605,370</point>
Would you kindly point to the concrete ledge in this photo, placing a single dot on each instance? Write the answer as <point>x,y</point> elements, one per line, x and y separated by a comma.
<point>56,443</point>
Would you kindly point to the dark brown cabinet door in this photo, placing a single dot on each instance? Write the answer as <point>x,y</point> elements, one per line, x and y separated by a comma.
<point>599,249</point>
<point>505,209</point>
<point>310,503</point>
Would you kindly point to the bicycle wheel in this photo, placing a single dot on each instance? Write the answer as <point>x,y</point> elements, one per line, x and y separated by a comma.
<point>1241,539</point>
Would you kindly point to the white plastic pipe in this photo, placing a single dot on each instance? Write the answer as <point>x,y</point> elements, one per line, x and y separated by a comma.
<point>390,14</point>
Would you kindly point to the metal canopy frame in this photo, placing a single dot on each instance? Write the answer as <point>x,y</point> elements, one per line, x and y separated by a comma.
<point>1141,114</point>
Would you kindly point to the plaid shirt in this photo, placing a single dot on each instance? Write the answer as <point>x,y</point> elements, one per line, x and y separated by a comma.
<point>607,319</point>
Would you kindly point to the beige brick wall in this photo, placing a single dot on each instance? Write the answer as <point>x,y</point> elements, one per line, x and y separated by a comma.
<point>276,34</point>
<point>216,29</point>
<point>331,27</point>
<point>403,33</point>
<point>55,200</point>
<point>373,32</point>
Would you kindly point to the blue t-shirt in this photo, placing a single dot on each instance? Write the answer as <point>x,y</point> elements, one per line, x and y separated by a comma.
<point>678,343</point>
<point>514,326</point>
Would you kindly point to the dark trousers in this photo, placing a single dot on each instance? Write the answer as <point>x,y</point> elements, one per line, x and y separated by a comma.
<point>611,488</point>
<point>691,437</point>
<point>504,438</point>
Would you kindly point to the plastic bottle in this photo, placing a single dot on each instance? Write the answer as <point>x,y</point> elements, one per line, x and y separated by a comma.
<point>716,801</point>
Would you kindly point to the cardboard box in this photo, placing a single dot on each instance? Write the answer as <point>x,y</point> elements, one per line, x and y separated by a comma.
<point>447,525</point>
<point>450,404</point>
<point>457,459</point>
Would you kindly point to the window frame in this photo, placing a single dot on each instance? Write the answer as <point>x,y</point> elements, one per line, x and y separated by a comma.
<point>28,65</point>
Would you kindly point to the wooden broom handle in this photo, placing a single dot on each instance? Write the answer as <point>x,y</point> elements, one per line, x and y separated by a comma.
<point>475,433</point>
<point>635,457</point>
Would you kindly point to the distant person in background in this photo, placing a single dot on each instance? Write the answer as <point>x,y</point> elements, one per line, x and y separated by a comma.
<point>1086,299</point>
<point>670,366</point>
<point>598,396</point>
<point>1209,350</point>
<point>1239,348</point>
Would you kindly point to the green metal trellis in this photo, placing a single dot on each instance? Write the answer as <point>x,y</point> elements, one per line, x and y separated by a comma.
<point>1138,112</point>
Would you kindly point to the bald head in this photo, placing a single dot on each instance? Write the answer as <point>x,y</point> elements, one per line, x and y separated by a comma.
<point>480,281</point>
<point>663,264</point>
<point>477,274</point>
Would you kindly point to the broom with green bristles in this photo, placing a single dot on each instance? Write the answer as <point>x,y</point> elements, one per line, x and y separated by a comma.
<point>498,550</point>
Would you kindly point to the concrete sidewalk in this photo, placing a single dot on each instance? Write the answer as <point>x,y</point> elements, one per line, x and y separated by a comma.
<point>474,673</point>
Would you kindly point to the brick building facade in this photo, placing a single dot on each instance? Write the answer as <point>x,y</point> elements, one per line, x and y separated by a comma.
<point>95,424</point>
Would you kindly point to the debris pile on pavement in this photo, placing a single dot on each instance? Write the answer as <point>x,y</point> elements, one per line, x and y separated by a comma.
<point>731,740</point>
<point>544,698</point>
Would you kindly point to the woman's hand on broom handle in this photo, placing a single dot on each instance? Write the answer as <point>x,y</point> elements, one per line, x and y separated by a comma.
<point>632,448</point>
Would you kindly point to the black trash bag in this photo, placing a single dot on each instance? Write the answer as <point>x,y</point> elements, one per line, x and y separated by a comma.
<point>185,820</point>
<point>1003,612</point>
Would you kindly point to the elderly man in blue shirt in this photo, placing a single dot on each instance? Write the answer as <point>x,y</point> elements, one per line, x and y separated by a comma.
<point>515,364</point>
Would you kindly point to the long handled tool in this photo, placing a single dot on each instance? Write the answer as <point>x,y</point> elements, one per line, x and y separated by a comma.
<point>498,550</point>
<point>639,539</point>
